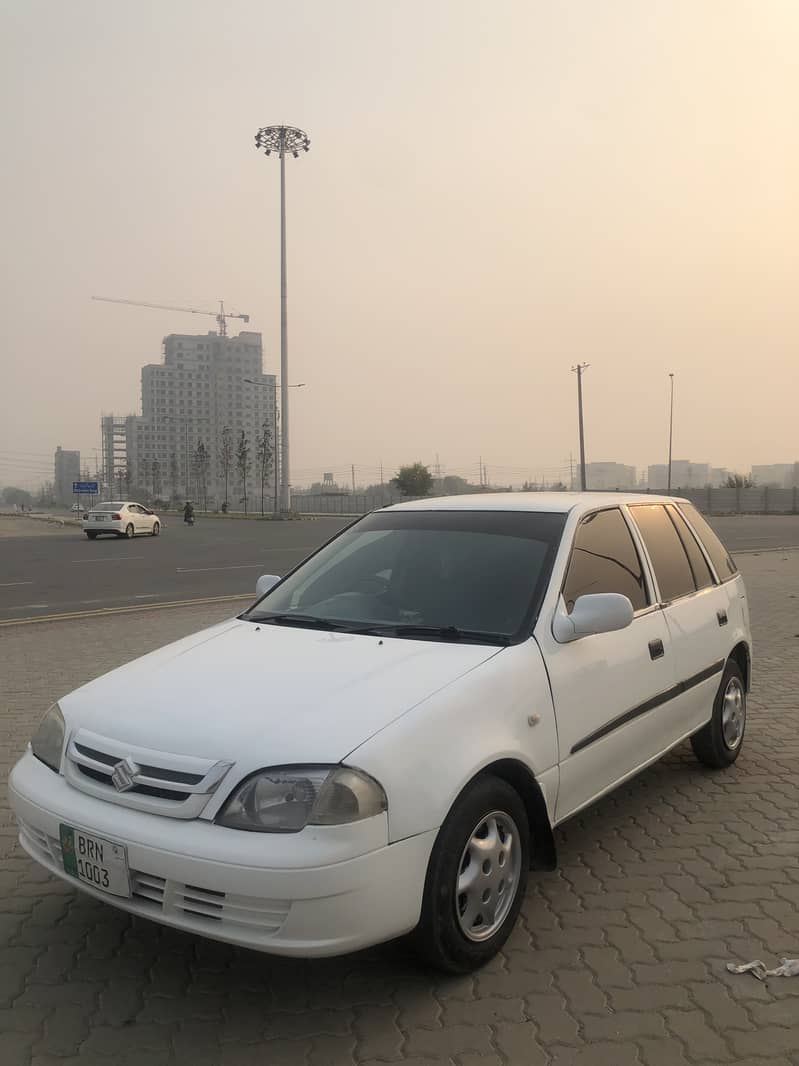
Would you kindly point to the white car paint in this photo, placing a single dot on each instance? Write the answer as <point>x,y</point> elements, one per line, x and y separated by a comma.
<point>423,718</point>
<point>115,517</point>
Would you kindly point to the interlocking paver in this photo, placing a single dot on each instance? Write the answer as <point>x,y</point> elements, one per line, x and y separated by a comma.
<point>619,959</point>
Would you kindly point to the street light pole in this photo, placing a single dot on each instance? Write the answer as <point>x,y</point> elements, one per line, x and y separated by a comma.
<point>283,139</point>
<point>671,428</point>
<point>579,371</point>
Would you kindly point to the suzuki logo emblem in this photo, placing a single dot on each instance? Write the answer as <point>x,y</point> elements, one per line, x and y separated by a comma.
<point>124,774</point>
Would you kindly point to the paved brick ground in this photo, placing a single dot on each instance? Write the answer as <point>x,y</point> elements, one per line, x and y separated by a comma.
<point>619,958</point>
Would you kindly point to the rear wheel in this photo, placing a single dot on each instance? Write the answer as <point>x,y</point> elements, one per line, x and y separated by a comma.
<point>156,528</point>
<point>91,536</point>
<point>718,744</point>
<point>129,531</point>
<point>476,878</point>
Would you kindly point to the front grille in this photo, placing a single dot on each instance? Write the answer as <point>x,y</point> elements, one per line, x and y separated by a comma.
<point>160,782</point>
<point>142,790</point>
<point>149,771</point>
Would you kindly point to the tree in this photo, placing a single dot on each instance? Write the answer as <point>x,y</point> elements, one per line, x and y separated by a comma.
<point>201,461</point>
<point>243,464</point>
<point>156,471</point>
<point>413,480</point>
<point>20,497</point>
<point>226,459</point>
<point>739,481</point>
<point>174,475</point>
<point>263,455</point>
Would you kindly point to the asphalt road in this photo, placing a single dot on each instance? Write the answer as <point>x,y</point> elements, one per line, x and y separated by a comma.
<point>64,573</point>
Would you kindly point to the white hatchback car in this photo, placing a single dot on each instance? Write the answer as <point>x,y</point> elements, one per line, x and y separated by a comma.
<point>123,519</point>
<point>385,741</point>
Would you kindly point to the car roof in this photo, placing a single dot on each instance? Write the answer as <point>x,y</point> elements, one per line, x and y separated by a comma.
<point>549,502</point>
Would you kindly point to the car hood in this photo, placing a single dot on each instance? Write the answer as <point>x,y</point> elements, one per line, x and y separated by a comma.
<point>267,695</point>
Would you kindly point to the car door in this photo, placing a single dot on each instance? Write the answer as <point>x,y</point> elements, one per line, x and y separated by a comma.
<point>606,688</point>
<point>136,516</point>
<point>693,606</point>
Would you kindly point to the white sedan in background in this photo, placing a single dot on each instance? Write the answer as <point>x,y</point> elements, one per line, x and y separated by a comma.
<point>121,519</point>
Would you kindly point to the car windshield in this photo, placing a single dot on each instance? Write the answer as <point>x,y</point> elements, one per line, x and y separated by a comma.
<point>446,575</point>
<point>108,506</point>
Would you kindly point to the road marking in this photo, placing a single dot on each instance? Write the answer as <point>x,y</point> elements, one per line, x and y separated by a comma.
<point>28,607</point>
<point>146,595</point>
<point>292,548</point>
<point>71,615</point>
<point>117,559</point>
<point>10,584</point>
<point>206,569</point>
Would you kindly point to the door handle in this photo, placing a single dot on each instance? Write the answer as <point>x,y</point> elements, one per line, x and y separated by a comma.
<point>656,649</point>
<point>722,617</point>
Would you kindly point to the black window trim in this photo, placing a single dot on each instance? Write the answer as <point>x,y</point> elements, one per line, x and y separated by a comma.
<point>713,575</point>
<point>685,595</point>
<point>720,580</point>
<point>651,589</point>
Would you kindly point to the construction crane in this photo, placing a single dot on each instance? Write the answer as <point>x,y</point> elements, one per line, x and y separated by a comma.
<point>220,316</point>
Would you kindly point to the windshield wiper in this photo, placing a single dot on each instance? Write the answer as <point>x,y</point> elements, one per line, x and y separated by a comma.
<point>446,633</point>
<point>303,621</point>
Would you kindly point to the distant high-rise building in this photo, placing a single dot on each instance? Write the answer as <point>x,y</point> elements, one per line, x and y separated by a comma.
<point>67,470</point>
<point>188,401</point>
<point>776,474</point>
<point>684,475</point>
<point>609,476</point>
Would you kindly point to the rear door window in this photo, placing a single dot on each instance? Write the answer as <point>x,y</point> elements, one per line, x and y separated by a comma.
<point>605,559</point>
<point>669,559</point>
<point>719,556</point>
<point>703,578</point>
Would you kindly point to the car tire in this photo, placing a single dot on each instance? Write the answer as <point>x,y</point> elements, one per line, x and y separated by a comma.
<point>129,531</point>
<point>91,536</point>
<point>156,529</point>
<point>718,744</point>
<point>465,875</point>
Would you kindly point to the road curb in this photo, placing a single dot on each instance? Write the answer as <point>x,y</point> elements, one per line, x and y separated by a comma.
<point>69,616</point>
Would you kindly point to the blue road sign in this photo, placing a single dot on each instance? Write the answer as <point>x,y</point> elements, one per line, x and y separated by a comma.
<point>88,488</point>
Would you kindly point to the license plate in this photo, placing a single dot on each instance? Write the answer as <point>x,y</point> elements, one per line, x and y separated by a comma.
<point>95,861</point>
<point>99,518</point>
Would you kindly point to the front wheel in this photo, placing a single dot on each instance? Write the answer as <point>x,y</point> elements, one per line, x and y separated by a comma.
<point>156,529</point>
<point>91,536</point>
<point>129,532</point>
<point>718,744</point>
<point>476,878</point>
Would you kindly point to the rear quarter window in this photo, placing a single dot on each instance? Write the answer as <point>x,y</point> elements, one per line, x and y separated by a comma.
<point>719,555</point>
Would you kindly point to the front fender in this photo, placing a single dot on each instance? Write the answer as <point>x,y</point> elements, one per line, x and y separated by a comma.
<point>501,709</point>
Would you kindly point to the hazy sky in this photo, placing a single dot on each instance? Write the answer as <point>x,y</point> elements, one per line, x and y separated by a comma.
<point>495,191</point>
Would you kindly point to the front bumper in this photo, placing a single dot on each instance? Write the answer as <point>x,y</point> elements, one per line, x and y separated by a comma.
<point>219,883</point>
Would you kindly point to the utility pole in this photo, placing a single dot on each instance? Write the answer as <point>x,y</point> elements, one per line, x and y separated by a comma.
<point>353,479</point>
<point>671,427</point>
<point>578,370</point>
<point>480,464</point>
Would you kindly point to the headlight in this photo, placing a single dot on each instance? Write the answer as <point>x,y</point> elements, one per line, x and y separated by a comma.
<point>286,799</point>
<point>48,740</point>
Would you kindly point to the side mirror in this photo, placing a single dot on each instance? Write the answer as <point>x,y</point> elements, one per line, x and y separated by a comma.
<point>264,583</point>
<point>601,612</point>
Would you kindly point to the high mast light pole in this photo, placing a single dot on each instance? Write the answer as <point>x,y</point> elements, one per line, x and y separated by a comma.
<point>283,140</point>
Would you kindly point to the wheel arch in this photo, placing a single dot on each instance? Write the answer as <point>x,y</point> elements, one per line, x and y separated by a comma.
<point>742,657</point>
<point>543,854</point>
